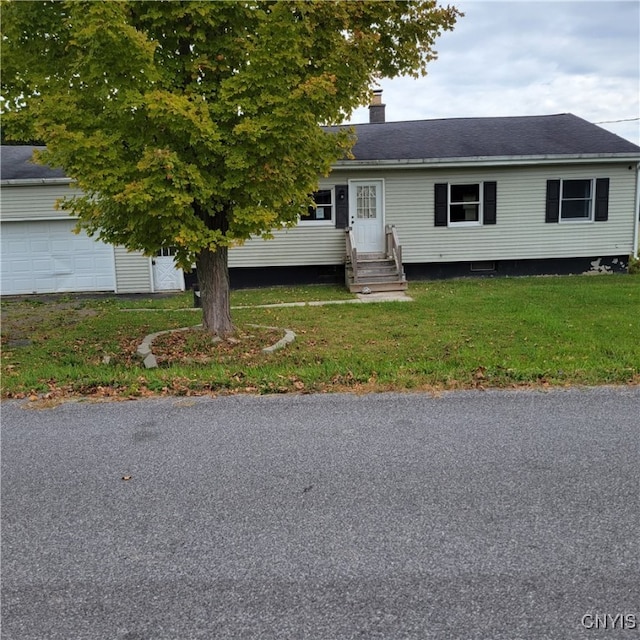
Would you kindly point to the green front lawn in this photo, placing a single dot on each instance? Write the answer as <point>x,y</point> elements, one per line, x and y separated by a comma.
<point>456,334</point>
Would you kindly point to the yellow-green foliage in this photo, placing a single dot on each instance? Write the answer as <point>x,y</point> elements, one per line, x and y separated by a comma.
<point>196,124</point>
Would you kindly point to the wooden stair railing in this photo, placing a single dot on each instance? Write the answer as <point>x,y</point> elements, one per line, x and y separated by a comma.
<point>394,248</point>
<point>352,253</point>
<point>378,271</point>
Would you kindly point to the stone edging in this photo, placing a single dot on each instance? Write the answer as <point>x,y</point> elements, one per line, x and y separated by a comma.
<point>150,362</point>
<point>289,336</point>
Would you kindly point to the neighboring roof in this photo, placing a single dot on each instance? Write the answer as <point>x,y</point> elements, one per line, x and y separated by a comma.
<point>16,164</point>
<point>466,138</point>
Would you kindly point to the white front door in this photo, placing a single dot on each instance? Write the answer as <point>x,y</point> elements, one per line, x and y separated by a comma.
<point>366,215</point>
<point>166,276</point>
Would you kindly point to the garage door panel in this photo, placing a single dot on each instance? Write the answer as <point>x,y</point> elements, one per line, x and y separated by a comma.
<point>38,265</point>
<point>39,245</point>
<point>84,282</point>
<point>102,263</point>
<point>104,284</point>
<point>63,265</point>
<point>61,246</point>
<point>85,263</point>
<point>47,257</point>
<point>16,247</point>
<point>65,282</point>
<point>20,282</point>
<point>21,268</point>
<point>42,285</point>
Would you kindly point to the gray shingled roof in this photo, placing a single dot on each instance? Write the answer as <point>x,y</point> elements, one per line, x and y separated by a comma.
<point>563,134</point>
<point>16,164</point>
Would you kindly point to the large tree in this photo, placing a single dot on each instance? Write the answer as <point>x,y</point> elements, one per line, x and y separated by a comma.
<point>197,124</point>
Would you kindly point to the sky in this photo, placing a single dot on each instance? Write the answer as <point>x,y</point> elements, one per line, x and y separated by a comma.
<point>530,57</point>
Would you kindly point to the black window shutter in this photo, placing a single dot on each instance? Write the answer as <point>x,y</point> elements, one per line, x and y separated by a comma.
<point>602,200</point>
<point>342,206</point>
<point>441,204</point>
<point>553,201</point>
<point>489,203</point>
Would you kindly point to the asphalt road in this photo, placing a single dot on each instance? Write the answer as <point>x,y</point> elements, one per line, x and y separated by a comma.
<point>489,515</point>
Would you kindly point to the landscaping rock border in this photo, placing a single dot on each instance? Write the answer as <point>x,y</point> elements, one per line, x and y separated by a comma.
<point>150,362</point>
<point>289,336</point>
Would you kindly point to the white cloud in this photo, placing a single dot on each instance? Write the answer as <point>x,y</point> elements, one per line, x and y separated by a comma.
<point>530,58</point>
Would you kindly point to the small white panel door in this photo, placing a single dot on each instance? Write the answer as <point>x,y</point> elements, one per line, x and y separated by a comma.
<point>166,276</point>
<point>366,215</point>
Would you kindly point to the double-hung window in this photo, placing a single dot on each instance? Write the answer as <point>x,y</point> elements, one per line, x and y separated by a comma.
<point>583,200</point>
<point>324,207</point>
<point>465,204</point>
<point>576,202</point>
<point>468,204</point>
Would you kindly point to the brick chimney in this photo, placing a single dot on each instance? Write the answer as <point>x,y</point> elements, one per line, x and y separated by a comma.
<point>376,108</point>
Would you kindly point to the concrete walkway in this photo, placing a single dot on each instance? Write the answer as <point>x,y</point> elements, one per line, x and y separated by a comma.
<point>361,298</point>
<point>383,296</point>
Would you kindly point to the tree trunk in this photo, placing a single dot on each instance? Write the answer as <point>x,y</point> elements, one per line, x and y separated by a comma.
<point>213,278</point>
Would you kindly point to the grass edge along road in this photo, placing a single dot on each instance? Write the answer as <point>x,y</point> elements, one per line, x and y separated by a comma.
<point>465,333</point>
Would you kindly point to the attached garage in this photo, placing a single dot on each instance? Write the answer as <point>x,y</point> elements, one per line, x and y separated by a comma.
<point>40,253</point>
<point>45,256</point>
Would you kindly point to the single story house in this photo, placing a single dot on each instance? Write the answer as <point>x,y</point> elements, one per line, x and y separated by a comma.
<point>464,196</point>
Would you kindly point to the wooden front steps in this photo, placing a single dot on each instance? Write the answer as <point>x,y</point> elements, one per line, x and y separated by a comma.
<point>374,273</point>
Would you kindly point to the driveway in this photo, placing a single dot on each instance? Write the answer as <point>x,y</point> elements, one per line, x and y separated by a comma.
<point>488,515</point>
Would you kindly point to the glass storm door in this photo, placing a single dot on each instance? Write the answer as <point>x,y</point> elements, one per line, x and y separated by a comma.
<point>366,215</point>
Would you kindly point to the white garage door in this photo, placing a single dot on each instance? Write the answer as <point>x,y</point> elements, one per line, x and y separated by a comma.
<point>47,257</point>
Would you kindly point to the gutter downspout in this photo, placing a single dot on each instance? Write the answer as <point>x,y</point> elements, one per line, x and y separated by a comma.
<point>636,213</point>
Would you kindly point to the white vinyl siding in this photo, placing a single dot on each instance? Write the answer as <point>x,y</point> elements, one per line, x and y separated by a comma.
<point>33,202</point>
<point>301,245</point>
<point>305,244</point>
<point>520,231</point>
<point>133,271</point>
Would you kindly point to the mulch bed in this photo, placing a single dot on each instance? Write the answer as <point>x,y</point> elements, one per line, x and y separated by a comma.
<point>198,346</point>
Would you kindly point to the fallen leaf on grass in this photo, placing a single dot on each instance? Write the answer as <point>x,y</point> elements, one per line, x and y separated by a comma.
<point>479,373</point>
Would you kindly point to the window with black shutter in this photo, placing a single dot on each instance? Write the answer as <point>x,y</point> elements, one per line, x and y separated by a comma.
<point>490,202</point>
<point>342,206</point>
<point>552,213</point>
<point>441,204</point>
<point>577,200</point>
<point>465,204</point>
<point>601,213</point>
<point>323,209</point>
